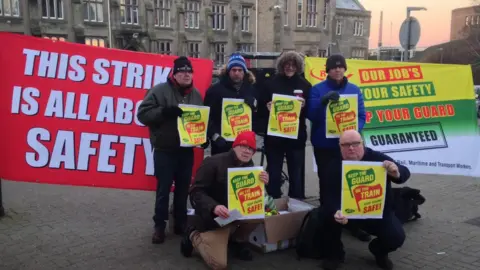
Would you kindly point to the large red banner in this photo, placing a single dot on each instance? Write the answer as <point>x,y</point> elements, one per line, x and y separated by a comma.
<point>68,112</point>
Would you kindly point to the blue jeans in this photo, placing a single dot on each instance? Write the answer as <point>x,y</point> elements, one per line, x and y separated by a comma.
<point>295,165</point>
<point>169,166</point>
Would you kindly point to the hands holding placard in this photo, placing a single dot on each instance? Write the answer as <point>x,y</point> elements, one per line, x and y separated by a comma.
<point>392,168</point>
<point>330,96</point>
<point>223,212</point>
<point>340,218</point>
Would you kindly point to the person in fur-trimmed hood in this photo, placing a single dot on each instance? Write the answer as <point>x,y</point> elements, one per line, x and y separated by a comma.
<point>236,81</point>
<point>288,79</point>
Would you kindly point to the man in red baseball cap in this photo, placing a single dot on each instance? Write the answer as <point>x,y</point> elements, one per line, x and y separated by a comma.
<point>209,198</point>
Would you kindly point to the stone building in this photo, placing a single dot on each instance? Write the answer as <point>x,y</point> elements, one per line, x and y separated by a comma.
<point>196,28</point>
<point>351,29</point>
<point>463,21</point>
<point>210,29</point>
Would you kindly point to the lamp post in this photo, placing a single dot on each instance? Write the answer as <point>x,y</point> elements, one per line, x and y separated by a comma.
<point>409,10</point>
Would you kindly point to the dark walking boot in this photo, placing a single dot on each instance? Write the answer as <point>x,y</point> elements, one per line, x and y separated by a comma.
<point>186,246</point>
<point>240,251</point>
<point>158,236</point>
<point>384,262</point>
<point>331,264</point>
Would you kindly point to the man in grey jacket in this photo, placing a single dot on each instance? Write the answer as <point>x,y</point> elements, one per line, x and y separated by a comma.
<point>160,111</point>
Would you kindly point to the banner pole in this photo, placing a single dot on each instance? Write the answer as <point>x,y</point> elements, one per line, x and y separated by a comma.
<point>2,210</point>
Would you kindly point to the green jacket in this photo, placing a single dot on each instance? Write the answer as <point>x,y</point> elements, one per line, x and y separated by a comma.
<point>163,131</point>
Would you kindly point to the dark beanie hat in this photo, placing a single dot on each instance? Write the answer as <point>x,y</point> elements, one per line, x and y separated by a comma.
<point>335,61</point>
<point>182,64</point>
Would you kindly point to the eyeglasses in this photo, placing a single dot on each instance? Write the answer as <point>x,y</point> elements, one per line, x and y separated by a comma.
<point>352,144</point>
<point>246,148</point>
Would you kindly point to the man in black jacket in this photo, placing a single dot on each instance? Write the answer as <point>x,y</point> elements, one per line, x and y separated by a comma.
<point>288,79</point>
<point>235,82</point>
<point>389,230</point>
<point>159,111</point>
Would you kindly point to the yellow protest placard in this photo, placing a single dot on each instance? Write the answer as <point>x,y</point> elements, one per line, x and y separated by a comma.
<point>284,116</point>
<point>341,115</point>
<point>363,189</point>
<point>192,126</point>
<point>246,192</point>
<point>236,118</point>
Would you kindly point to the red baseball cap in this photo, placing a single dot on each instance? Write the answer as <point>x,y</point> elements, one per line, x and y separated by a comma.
<point>246,138</point>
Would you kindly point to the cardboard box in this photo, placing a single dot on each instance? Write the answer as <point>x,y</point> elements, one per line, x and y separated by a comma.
<point>280,231</point>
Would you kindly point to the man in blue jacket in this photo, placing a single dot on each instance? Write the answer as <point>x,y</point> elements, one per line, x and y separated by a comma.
<point>325,148</point>
<point>335,85</point>
<point>388,229</point>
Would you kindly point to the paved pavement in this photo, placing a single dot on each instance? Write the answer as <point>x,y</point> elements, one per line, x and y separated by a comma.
<point>63,227</point>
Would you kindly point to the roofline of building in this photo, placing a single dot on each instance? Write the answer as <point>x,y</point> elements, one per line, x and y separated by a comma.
<point>364,13</point>
<point>465,8</point>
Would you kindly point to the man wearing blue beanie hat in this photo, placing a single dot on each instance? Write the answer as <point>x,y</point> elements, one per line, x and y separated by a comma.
<point>236,60</point>
<point>236,81</point>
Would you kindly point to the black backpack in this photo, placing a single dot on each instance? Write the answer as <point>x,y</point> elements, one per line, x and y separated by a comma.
<point>308,239</point>
<point>405,203</point>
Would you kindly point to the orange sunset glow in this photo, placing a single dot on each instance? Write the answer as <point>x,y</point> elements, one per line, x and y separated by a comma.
<point>435,22</point>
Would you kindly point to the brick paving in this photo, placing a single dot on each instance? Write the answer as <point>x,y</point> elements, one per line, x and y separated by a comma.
<point>63,227</point>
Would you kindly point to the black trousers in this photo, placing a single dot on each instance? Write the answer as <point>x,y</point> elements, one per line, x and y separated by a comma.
<point>295,165</point>
<point>170,166</point>
<point>388,231</point>
<point>323,157</point>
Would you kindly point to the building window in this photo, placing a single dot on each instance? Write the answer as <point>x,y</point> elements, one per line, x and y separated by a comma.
<point>326,9</point>
<point>161,47</point>
<point>311,13</point>
<point>129,11</point>
<point>358,53</point>
<point>299,12</point>
<point>338,28</point>
<point>245,47</point>
<point>93,10</point>
<point>219,53</point>
<point>52,9</point>
<point>193,49</point>
<point>192,14</point>
<point>218,17</point>
<point>246,19</point>
<point>285,12</point>
<point>55,38</point>
<point>10,8</point>
<point>162,12</point>
<point>358,29</point>
<point>467,20</point>
<point>96,42</point>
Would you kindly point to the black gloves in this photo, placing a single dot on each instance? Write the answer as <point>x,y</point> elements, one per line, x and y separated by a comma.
<point>220,142</point>
<point>331,95</point>
<point>251,102</point>
<point>172,112</point>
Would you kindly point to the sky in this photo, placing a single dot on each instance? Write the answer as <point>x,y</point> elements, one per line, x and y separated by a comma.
<point>434,23</point>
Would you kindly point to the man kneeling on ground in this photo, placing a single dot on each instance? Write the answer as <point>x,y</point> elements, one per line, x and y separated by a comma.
<point>209,198</point>
<point>389,230</point>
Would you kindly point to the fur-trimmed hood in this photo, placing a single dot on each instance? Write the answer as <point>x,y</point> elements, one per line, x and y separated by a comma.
<point>290,56</point>
<point>251,77</point>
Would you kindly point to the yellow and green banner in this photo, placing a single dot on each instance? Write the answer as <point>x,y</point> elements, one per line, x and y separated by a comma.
<point>192,125</point>
<point>246,192</point>
<point>341,115</point>
<point>363,189</point>
<point>422,115</point>
<point>284,116</point>
<point>236,118</point>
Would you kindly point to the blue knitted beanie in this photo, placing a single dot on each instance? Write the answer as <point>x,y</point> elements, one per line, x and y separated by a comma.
<point>236,60</point>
